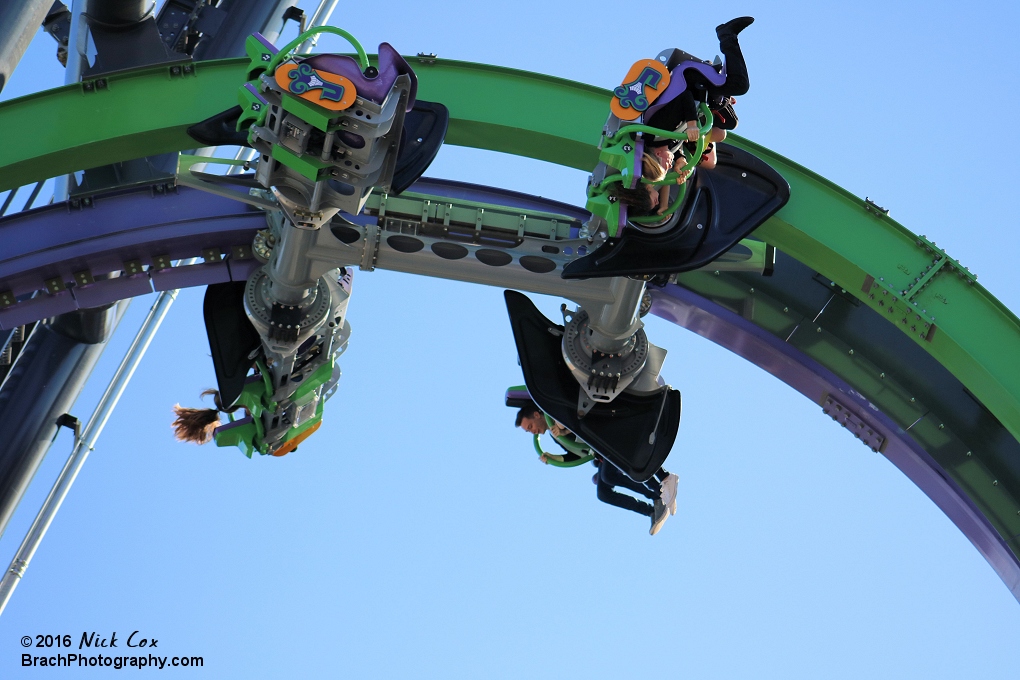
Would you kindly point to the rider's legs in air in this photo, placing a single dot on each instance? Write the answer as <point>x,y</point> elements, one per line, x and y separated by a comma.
<point>609,477</point>
<point>737,82</point>
<point>661,488</point>
<point>672,115</point>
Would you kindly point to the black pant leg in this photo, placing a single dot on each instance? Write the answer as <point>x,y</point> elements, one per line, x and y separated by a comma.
<point>620,500</point>
<point>655,483</point>
<point>611,476</point>
<point>737,82</point>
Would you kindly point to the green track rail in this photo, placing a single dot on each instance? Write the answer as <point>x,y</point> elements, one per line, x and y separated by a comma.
<point>928,295</point>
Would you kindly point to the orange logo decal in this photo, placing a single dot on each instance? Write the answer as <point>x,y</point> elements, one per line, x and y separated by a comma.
<point>322,88</point>
<point>645,81</point>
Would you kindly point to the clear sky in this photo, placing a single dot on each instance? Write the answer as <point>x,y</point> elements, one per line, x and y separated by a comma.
<point>416,535</point>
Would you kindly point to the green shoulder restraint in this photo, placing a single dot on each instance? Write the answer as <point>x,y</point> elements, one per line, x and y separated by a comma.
<point>671,176</point>
<point>619,151</point>
<point>569,443</point>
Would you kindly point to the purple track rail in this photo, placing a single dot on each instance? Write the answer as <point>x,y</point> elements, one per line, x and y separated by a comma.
<point>801,372</point>
<point>51,247</point>
<point>70,246</point>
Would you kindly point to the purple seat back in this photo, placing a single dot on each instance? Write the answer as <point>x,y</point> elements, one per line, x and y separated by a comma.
<point>240,422</point>
<point>518,394</point>
<point>678,83</point>
<point>391,66</point>
<point>639,152</point>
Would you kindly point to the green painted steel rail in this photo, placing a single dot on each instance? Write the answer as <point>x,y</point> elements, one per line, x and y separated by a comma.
<point>925,293</point>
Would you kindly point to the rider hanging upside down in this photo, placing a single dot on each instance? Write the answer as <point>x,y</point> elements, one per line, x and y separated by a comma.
<point>681,115</point>
<point>660,489</point>
<point>682,111</point>
<point>675,109</point>
<point>196,425</point>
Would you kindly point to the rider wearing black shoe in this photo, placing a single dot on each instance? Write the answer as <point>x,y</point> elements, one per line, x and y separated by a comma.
<point>684,108</point>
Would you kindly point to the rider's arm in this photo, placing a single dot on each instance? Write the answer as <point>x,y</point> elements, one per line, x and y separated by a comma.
<point>678,167</point>
<point>559,430</point>
<point>664,198</point>
<point>689,114</point>
<point>564,461</point>
<point>559,458</point>
<point>575,452</point>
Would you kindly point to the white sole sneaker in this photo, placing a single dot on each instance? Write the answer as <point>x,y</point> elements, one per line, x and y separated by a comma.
<point>667,492</point>
<point>662,518</point>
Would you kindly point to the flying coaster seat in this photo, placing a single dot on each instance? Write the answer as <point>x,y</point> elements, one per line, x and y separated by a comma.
<point>327,127</point>
<point>275,421</point>
<point>421,138</point>
<point>706,216</point>
<point>635,431</point>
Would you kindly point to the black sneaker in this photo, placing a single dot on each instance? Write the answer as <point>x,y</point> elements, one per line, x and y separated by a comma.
<point>724,117</point>
<point>733,27</point>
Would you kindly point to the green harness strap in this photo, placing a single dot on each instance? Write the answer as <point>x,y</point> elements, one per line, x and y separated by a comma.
<point>618,152</point>
<point>293,44</point>
<point>672,176</point>
<point>568,443</point>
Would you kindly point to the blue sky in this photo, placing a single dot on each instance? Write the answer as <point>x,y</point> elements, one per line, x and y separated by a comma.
<point>416,535</point>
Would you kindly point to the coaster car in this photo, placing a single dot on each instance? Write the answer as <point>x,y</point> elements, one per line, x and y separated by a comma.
<point>722,205</point>
<point>708,214</point>
<point>635,432</point>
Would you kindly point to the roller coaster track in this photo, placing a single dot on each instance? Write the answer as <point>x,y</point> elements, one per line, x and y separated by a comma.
<point>883,330</point>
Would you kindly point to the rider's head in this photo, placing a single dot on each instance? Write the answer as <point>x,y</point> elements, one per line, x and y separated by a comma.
<point>644,198</point>
<point>663,155</point>
<point>531,419</point>
<point>639,201</point>
<point>652,167</point>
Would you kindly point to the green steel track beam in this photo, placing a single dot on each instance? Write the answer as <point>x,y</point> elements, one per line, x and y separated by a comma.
<point>148,110</point>
<point>917,287</point>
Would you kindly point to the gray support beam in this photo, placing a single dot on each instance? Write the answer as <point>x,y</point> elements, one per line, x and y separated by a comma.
<point>84,445</point>
<point>44,383</point>
<point>110,35</point>
<point>376,250</point>
<point>612,325</point>
<point>241,18</point>
<point>19,22</point>
<point>319,18</point>
<point>58,358</point>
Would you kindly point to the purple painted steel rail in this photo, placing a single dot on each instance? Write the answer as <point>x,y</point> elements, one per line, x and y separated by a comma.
<point>801,372</point>
<point>58,242</point>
